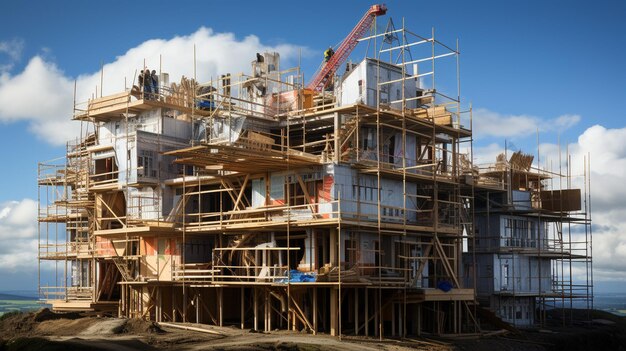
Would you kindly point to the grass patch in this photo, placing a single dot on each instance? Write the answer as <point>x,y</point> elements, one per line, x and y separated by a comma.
<point>6,315</point>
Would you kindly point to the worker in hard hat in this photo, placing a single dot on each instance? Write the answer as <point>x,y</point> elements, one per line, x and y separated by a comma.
<point>328,54</point>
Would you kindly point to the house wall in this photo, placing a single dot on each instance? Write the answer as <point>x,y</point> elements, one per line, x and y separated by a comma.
<point>361,84</point>
<point>359,196</point>
<point>519,311</point>
<point>259,192</point>
<point>484,274</point>
<point>139,159</point>
<point>521,274</point>
<point>510,231</point>
<point>176,128</point>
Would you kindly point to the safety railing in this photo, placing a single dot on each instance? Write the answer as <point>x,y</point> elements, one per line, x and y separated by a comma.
<point>64,250</point>
<point>262,215</point>
<point>74,293</point>
<point>443,168</point>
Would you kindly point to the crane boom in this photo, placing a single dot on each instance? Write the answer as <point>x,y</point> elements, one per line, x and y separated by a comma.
<point>324,74</point>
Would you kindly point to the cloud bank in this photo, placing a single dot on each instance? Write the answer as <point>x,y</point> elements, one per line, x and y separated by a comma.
<point>605,149</point>
<point>42,93</point>
<point>18,234</point>
<point>488,123</point>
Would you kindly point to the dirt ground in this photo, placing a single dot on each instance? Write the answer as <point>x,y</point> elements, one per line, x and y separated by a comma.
<point>47,331</point>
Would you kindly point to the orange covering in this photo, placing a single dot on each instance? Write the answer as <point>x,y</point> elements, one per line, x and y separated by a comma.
<point>104,247</point>
<point>324,189</point>
<point>149,246</point>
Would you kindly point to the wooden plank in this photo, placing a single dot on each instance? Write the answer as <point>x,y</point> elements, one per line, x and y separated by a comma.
<point>241,191</point>
<point>445,262</point>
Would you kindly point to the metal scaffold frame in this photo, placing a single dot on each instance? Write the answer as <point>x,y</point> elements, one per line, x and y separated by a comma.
<point>551,230</point>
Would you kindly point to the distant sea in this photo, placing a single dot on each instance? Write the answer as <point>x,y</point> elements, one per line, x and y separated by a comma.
<point>611,302</point>
<point>19,300</point>
<point>27,300</point>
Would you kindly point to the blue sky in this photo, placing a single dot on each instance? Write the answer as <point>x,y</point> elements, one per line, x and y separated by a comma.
<point>554,66</point>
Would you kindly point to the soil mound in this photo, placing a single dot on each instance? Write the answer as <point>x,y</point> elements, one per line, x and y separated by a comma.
<point>140,326</point>
<point>45,314</point>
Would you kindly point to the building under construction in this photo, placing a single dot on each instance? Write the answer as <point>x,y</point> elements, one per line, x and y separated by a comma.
<point>531,251</point>
<point>342,206</point>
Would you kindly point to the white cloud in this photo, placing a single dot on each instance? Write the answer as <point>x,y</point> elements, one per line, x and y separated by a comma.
<point>564,122</point>
<point>42,93</point>
<point>605,149</point>
<point>22,213</point>
<point>18,234</point>
<point>489,123</point>
<point>487,154</point>
<point>13,49</point>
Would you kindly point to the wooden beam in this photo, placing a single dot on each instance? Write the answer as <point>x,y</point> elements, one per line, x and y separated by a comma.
<point>112,212</point>
<point>305,191</point>
<point>444,260</point>
<point>241,191</point>
<point>314,310</point>
<point>242,308</point>
<point>302,316</point>
<point>423,261</point>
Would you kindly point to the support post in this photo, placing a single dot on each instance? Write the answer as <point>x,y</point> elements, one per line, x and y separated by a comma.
<point>356,311</point>
<point>315,311</point>
<point>336,137</point>
<point>367,314</point>
<point>221,306</point>
<point>197,306</point>
<point>393,319</point>
<point>419,320</point>
<point>334,315</point>
<point>256,308</point>
<point>376,316</point>
<point>266,313</point>
<point>242,309</point>
<point>159,314</point>
<point>173,305</point>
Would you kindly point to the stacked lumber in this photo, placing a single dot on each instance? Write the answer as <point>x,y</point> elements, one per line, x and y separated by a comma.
<point>182,94</point>
<point>108,101</point>
<point>438,114</point>
<point>521,161</point>
<point>331,274</point>
<point>258,141</point>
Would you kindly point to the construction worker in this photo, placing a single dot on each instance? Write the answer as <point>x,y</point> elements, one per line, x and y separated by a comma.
<point>328,54</point>
<point>140,80</point>
<point>154,78</point>
<point>147,84</point>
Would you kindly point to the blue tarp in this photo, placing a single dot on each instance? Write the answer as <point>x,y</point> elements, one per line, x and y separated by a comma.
<point>295,276</point>
<point>204,104</point>
<point>444,286</point>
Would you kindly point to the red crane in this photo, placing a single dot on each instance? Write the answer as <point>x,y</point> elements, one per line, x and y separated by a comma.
<point>324,75</point>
